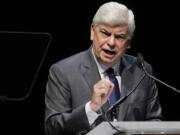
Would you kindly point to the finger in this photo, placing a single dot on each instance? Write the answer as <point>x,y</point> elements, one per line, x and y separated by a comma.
<point>109,85</point>
<point>103,84</point>
<point>110,90</point>
<point>103,87</point>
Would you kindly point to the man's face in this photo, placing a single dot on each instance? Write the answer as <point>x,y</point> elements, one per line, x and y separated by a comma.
<point>109,43</point>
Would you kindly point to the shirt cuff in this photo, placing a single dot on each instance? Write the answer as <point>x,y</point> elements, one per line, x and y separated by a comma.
<point>91,115</point>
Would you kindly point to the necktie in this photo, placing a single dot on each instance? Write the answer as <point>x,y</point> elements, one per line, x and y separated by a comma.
<point>115,95</point>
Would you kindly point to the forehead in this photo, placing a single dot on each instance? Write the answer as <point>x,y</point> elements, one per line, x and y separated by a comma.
<point>114,29</point>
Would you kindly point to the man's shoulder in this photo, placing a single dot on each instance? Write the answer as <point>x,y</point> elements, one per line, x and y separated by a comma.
<point>71,61</point>
<point>132,60</point>
<point>129,58</point>
<point>76,58</point>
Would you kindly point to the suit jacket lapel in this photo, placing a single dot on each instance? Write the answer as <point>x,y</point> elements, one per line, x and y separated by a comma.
<point>90,70</point>
<point>131,75</point>
<point>91,74</point>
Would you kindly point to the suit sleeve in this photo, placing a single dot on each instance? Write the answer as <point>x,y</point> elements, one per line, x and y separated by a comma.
<point>60,116</point>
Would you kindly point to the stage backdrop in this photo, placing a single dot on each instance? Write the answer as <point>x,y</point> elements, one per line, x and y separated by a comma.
<point>156,37</point>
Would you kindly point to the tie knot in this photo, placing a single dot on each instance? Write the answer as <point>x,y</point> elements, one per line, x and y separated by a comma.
<point>110,71</point>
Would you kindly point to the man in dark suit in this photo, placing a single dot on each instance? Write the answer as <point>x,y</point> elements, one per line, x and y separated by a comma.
<point>79,88</point>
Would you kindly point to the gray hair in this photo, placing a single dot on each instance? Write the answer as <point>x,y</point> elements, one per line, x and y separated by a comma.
<point>113,13</point>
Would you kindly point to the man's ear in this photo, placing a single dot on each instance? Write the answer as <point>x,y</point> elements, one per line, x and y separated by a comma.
<point>128,44</point>
<point>92,32</point>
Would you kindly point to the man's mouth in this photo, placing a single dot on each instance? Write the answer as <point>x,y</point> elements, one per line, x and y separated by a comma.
<point>109,52</point>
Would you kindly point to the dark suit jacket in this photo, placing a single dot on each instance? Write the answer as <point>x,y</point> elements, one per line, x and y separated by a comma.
<point>70,87</point>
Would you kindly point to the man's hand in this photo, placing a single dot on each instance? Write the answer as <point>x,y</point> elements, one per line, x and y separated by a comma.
<point>101,93</point>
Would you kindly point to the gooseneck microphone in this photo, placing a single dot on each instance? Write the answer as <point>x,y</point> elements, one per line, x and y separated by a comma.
<point>117,103</point>
<point>140,62</point>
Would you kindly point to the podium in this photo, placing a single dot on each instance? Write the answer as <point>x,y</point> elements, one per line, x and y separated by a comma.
<point>138,128</point>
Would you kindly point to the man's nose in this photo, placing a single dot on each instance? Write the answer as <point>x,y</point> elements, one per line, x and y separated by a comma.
<point>111,41</point>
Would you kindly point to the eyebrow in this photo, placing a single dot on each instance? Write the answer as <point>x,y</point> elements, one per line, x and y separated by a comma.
<point>120,34</point>
<point>105,31</point>
<point>108,33</point>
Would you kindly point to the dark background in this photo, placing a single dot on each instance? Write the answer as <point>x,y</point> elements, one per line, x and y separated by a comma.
<point>156,37</point>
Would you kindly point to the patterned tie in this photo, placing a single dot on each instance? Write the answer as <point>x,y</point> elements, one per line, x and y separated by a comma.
<point>115,95</point>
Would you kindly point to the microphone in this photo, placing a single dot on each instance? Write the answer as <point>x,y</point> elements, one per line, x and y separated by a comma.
<point>140,62</point>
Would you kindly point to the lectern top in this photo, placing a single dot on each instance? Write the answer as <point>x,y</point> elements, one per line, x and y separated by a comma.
<point>130,128</point>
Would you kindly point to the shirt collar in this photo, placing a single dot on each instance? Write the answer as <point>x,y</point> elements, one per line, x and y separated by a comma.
<point>102,68</point>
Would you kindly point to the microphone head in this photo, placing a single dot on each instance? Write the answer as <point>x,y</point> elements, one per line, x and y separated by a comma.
<point>140,60</point>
